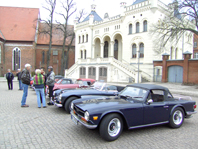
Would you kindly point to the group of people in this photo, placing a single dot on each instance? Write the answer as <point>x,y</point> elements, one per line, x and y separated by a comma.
<point>40,82</point>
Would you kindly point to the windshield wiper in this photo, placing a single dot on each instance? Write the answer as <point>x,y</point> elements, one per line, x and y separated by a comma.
<point>125,96</point>
<point>137,97</point>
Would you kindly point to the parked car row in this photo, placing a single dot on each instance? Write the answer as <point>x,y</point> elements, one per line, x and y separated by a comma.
<point>111,108</point>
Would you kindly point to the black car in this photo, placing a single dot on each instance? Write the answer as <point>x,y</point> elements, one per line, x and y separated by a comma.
<point>138,105</point>
<point>98,88</point>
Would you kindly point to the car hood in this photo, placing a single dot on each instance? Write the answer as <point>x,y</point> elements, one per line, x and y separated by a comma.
<point>80,91</point>
<point>101,103</point>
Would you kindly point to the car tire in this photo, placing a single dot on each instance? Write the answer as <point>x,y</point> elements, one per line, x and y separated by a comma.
<point>67,104</point>
<point>111,127</point>
<point>177,118</point>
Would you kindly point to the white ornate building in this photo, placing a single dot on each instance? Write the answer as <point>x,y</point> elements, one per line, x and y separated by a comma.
<point>107,48</point>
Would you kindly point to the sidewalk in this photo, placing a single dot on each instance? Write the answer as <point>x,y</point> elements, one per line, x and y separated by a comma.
<point>4,79</point>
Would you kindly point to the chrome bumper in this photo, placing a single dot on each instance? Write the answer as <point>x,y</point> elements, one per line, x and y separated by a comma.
<point>73,116</point>
<point>58,105</point>
<point>190,113</point>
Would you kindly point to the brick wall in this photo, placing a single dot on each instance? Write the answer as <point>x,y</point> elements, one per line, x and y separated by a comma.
<point>27,55</point>
<point>54,59</point>
<point>190,68</point>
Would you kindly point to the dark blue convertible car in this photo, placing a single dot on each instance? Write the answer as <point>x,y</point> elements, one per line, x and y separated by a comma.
<point>138,105</point>
<point>98,88</point>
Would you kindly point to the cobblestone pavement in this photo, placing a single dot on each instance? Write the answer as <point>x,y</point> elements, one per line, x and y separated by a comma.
<point>52,128</point>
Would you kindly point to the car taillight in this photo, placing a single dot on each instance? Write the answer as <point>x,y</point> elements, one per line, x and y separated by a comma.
<point>195,106</point>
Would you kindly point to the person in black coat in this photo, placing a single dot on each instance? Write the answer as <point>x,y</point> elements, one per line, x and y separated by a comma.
<point>10,77</point>
<point>19,79</point>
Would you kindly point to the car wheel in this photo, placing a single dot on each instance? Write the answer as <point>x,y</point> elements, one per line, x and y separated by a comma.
<point>67,105</point>
<point>177,118</point>
<point>111,127</point>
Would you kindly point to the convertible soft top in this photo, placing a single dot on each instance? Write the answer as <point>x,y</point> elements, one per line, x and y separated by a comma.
<point>149,86</point>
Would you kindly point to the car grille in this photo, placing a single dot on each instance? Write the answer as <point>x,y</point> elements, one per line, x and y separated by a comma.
<point>79,111</point>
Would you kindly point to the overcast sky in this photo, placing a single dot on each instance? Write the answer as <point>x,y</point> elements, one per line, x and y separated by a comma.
<point>102,6</point>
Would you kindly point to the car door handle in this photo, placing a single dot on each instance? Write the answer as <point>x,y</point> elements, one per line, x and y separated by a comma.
<point>166,106</point>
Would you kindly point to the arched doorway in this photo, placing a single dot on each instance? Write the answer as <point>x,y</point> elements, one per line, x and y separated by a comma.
<point>116,49</point>
<point>106,49</point>
<point>175,74</point>
<point>103,73</point>
<point>92,73</point>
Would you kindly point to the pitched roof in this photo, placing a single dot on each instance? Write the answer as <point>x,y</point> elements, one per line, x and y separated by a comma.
<point>138,1</point>
<point>96,17</point>
<point>18,23</point>
<point>57,36</point>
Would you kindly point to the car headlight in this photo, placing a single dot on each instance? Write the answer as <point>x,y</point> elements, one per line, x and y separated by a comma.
<point>60,96</point>
<point>86,115</point>
<point>72,106</point>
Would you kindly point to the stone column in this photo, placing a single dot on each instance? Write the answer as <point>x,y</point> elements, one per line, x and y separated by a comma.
<point>87,71</point>
<point>112,49</point>
<point>165,57</point>
<point>187,56</point>
<point>102,50</point>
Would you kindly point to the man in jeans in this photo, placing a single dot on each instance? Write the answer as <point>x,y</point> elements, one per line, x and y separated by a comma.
<point>19,78</point>
<point>25,78</point>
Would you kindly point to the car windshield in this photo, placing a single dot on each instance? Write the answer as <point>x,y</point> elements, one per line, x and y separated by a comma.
<point>134,93</point>
<point>59,81</point>
<point>98,85</point>
<point>80,82</point>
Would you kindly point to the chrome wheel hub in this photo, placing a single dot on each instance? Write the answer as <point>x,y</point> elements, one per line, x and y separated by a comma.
<point>177,117</point>
<point>114,127</point>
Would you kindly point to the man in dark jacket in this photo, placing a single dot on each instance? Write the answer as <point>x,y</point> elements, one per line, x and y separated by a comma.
<point>25,78</point>
<point>10,77</point>
<point>50,82</point>
<point>19,78</point>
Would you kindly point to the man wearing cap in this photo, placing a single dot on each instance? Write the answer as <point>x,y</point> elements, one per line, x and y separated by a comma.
<point>50,82</point>
<point>25,79</point>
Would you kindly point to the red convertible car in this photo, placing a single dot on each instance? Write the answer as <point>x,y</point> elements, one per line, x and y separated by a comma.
<point>67,83</point>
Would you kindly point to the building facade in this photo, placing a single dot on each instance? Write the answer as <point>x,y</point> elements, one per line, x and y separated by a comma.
<point>121,48</point>
<point>20,42</point>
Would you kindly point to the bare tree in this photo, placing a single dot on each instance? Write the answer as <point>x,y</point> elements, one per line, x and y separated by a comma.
<point>182,17</point>
<point>47,29</point>
<point>67,30</point>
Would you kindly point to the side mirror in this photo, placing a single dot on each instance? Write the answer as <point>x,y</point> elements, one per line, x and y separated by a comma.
<point>150,101</point>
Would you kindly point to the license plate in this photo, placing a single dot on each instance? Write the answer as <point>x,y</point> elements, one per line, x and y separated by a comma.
<point>74,120</point>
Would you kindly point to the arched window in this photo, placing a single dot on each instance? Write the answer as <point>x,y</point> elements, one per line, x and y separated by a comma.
<point>85,54</point>
<point>79,39</point>
<point>130,28</point>
<point>87,38</point>
<point>145,26</point>
<point>106,49</point>
<point>137,27</point>
<point>43,57</point>
<point>141,50</point>
<point>83,39</point>
<point>16,59</point>
<point>81,54</point>
<point>134,49</point>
